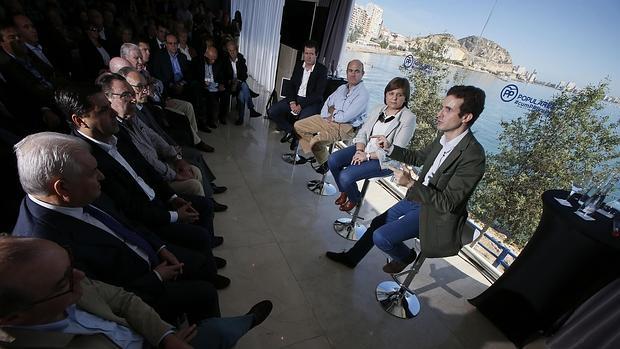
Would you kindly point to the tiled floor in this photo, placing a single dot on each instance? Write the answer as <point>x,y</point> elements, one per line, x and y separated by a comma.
<point>276,233</point>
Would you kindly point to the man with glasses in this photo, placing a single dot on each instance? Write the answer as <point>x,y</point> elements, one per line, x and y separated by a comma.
<point>46,302</point>
<point>64,205</point>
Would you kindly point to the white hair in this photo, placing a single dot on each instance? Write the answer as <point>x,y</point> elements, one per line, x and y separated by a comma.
<point>126,49</point>
<point>45,156</point>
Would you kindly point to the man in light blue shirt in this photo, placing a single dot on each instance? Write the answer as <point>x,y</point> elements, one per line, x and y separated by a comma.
<point>342,114</point>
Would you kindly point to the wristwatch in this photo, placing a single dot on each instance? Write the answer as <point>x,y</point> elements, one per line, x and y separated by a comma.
<point>179,157</point>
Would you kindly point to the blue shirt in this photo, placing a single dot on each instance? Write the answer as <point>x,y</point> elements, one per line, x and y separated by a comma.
<point>80,322</point>
<point>176,67</point>
<point>350,104</point>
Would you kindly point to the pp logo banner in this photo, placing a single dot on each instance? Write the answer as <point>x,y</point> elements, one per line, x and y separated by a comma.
<point>509,92</point>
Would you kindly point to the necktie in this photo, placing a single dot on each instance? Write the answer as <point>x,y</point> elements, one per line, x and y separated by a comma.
<point>127,235</point>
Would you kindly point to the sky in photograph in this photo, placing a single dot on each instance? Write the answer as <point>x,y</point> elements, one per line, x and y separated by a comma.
<point>571,40</point>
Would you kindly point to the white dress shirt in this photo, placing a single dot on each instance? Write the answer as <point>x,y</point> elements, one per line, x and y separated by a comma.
<point>443,154</point>
<point>304,80</point>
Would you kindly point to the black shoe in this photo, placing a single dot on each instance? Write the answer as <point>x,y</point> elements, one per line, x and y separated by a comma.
<point>217,207</point>
<point>294,143</point>
<point>287,137</point>
<point>254,113</point>
<point>260,311</point>
<point>202,146</point>
<point>223,121</point>
<point>293,159</point>
<point>219,262</point>
<point>239,122</point>
<point>212,125</point>
<point>220,282</point>
<point>395,266</point>
<point>218,189</point>
<point>253,94</point>
<point>322,168</point>
<point>341,258</point>
<point>216,241</point>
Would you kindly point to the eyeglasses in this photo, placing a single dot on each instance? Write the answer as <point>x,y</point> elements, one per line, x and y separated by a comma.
<point>140,88</point>
<point>67,278</point>
<point>93,29</point>
<point>124,95</point>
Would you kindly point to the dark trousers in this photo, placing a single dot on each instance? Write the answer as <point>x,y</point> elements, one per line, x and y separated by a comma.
<point>280,112</point>
<point>192,293</point>
<point>213,105</point>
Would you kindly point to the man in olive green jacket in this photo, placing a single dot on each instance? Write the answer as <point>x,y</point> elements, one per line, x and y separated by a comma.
<point>435,207</point>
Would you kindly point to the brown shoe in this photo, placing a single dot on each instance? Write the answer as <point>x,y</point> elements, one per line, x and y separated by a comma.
<point>348,206</point>
<point>396,266</point>
<point>341,199</point>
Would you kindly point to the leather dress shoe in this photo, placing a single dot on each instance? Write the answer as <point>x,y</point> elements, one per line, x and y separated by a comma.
<point>217,207</point>
<point>220,282</point>
<point>216,241</point>
<point>212,124</point>
<point>202,146</point>
<point>340,257</point>
<point>341,199</point>
<point>322,168</point>
<point>219,262</point>
<point>239,122</point>
<point>254,113</point>
<point>347,206</point>
<point>218,189</point>
<point>260,311</point>
<point>396,266</point>
<point>286,138</point>
<point>253,94</point>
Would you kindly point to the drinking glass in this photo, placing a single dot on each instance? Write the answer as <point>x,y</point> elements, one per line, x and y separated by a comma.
<point>577,186</point>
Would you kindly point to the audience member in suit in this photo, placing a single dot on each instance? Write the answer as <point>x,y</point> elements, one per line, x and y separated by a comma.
<point>31,86</point>
<point>158,43</point>
<point>173,69</point>
<point>235,74</point>
<point>213,95</point>
<point>150,116</point>
<point>132,53</point>
<point>365,159</point>
<point>61,207</point>
<point>130,181</point>
<point>42,55</point>
<point>305,96</point>
<point>42,288</point>
<point>108,39</point>
<point>93,53</point>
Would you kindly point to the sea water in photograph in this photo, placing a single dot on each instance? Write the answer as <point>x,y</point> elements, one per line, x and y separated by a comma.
<point>381,68</point>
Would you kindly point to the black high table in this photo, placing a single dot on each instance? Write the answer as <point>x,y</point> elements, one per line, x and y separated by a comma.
<point>565,262</point>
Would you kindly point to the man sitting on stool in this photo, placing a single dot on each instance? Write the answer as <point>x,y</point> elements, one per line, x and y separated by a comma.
<point>342,114</point>
<point>435,207</point>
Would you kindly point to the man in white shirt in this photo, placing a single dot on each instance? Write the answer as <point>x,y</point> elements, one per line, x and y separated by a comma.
<point>305,96</point>
<point>435,207</point>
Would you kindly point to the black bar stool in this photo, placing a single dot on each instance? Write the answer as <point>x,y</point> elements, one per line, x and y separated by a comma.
<point>320,186</point>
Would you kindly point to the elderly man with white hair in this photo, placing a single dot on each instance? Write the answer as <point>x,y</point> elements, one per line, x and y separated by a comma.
<point>131,52</point>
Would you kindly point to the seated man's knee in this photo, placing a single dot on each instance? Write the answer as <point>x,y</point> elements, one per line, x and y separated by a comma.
<point>381,240</point>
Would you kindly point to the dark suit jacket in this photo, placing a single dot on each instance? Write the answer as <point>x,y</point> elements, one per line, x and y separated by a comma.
<point>227,70</point>
<point>198,69</point>
<point>443,215</point>
<point>91,59</point>
<point>315,88</point>
<point>123,189</point>
<point>162,67</point>
<point>100,255</point>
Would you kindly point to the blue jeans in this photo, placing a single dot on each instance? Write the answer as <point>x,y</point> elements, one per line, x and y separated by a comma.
<point>280,112</point>
<point>346,175</point>
<point>221,333</point>
<point>244,99</point>
<point>390,236</point>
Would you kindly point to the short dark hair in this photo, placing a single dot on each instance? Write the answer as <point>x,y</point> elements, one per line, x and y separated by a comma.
<point>312,44</point>
<point>398,82</point>
<point>75,100</point>
<point>473,100</point>
<point>105,80</point>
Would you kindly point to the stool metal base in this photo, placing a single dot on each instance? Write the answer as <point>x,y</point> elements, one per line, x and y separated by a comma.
<point>348,230</point>
<point>293,159</point>
<point>397,301</point>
